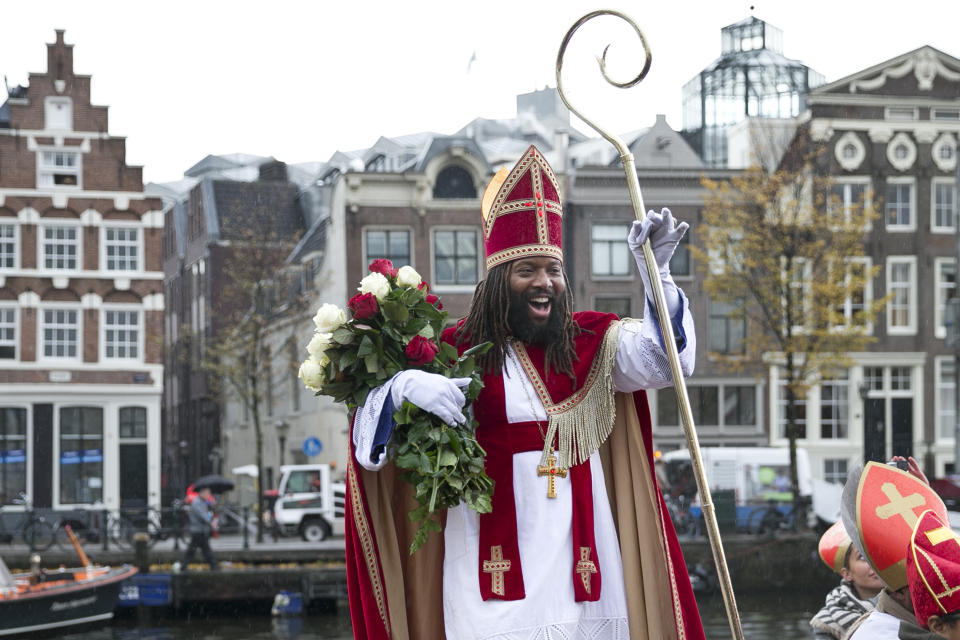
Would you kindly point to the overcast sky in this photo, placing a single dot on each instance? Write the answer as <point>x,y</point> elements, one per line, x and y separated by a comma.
<point>299,80</point>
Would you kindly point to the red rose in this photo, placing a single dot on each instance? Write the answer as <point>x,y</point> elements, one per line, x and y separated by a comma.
<point>420,351</point>
<point>383,267</point>
<point>363,306</point>
<point>423,286</point>
<point>434,300</point>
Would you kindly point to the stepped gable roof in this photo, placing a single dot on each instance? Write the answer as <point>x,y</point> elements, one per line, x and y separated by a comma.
<point>922,71</point>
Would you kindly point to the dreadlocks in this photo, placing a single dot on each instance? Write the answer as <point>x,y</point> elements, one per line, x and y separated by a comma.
<point>488,320</point>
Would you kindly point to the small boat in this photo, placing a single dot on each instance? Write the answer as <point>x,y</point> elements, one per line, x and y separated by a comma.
<point>41,600</point>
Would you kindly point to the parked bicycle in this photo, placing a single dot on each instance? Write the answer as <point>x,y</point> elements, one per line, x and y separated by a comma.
<point>684,523</point>
<point>158,524</point>
<point>34,529</point>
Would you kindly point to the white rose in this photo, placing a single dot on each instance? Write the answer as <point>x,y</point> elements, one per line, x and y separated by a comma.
<point>408,277</point>
<point>376,284</point>
<point>329,317</point>
<point>319,343</point>
<point>311,372</point>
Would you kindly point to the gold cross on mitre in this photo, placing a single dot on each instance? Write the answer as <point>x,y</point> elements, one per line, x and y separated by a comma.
<point>585,567</point>
<point>899,505</point>
<point>496,566</point>
<point>551,472</point>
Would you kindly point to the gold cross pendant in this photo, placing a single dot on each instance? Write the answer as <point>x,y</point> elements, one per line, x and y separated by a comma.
<point>551,472</point>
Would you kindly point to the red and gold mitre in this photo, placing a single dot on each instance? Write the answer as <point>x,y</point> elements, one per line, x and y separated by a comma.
<point>933,568</point>
<point>522,213</point>
<point>889,503</point>
<point>833,547</point>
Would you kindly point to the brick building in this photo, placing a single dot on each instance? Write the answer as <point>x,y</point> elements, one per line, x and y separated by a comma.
<point>81,302</point>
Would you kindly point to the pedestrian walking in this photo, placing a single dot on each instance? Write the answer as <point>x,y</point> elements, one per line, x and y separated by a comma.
<point>201,528</point>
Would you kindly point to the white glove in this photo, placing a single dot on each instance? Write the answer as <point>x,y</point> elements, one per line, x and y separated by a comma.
<point>432,392</point>
<point>665,234</point>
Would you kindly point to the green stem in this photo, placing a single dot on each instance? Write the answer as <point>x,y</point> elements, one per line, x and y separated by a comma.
<point>433,494</point>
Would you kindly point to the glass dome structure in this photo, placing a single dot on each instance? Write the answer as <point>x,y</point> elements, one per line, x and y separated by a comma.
<point>751,79</point>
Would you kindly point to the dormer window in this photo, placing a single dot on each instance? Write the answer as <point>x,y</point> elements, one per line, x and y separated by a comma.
<point>377,165</point>
<point>56,168</point>
<point>454,182</point>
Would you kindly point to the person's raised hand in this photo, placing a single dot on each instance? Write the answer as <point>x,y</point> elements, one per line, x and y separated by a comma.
<point>665,235</point>
<point>432,392</point>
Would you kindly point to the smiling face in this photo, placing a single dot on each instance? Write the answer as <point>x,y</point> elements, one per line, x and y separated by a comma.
<point>537,286</point>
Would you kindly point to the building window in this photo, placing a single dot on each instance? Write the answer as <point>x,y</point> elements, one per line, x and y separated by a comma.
<point>901,286</point>
<point>133,422</point>
<point>945,114</point>
<point>456,257</point>
<point>377,165</point>
<point>81,455</point>
<point>898,205</point>
<point>901,378</point>
<point>8,246</point>
<point>680,263</point>
<point>391,244</point>
<point>946,388</point>
<point>739,408</point>
<point>454,182</point>
<point>739,405</point>
<point>943,201</point>
<point>58,169</point>
<point>122,249</point>
<point>857,292</point>
<point>799,408</point>
<point>13,453</point>
<point>945,289</point>
<point>619,306</point>
<point>121,334</point>
<point>834,407</point>
<point>848,198</point>
<point>61,246</point>
<point>60,330</point>
<point>611,256</point>
<point>8,333</point>
<point>725,334</point>
<point>835,470</point>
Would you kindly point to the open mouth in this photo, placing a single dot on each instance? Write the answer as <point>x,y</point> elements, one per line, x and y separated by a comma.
<point>540,306</point>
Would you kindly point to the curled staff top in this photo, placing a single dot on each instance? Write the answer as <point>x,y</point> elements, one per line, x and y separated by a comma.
<point>614,140</point>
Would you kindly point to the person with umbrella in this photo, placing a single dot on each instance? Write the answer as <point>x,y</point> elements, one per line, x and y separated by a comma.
<point>201,518</point>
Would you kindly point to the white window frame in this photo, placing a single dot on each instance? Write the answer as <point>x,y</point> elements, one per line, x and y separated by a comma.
<point>888,113</point>
<point>628,276</point>
<point>946,140</point>
<point>42,325</point>
<point>912,224</point>
<point>16,331</point>
<point>103,333</point>
<point>842,475</point>
<point>51,101</point>
<point>44,169</point>
<point>859,151</point>
<point>42,243</point>
<point>104,242</point>
<point>945,410</point>
<point>721,426</point>
<point>911,305</point>
<point>455,288</point>
<point>386,227</point>
<point>840,424</point>
<point>867,264</point>
<point>846,182</point>
<point>941,289</point>
<point>950,183</point>
<point>15,225</point>
<point>950,114</point>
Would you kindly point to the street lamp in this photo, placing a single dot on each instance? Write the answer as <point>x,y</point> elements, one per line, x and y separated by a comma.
<point>282,429</point>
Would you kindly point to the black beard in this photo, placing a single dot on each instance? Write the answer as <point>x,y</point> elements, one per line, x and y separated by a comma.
<point>525,330</point>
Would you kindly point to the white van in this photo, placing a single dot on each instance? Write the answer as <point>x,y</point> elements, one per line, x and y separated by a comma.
<point>308,502</point>
<point>757,476</point>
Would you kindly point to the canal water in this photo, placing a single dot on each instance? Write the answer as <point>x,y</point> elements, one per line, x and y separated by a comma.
<point>784,617</point>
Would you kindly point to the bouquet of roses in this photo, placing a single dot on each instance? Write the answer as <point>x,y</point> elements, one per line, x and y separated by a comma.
<point>395,324</point>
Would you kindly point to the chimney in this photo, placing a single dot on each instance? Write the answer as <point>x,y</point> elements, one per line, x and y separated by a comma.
<point>273,171</point>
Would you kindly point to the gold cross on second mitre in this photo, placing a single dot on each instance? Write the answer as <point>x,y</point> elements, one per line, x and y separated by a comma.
<point>899,505</point>
<point>551,472</point>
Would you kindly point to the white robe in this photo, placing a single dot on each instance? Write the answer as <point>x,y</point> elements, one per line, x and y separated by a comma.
<point>544,530</point>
